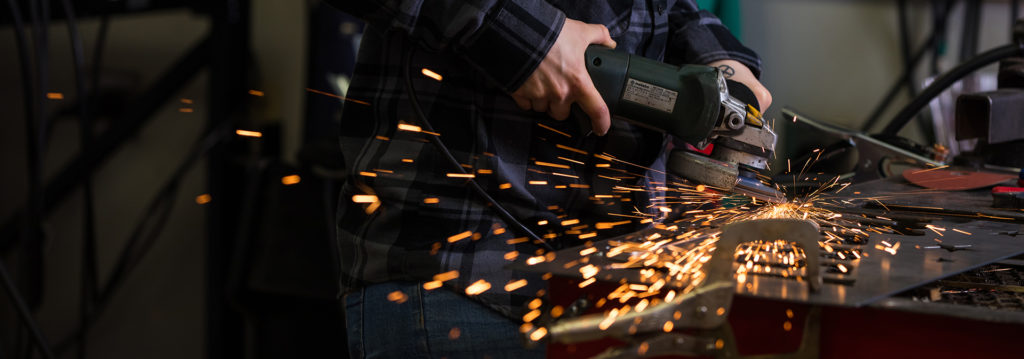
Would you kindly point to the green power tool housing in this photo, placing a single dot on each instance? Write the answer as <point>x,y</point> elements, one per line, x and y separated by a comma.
<point>692,103</point>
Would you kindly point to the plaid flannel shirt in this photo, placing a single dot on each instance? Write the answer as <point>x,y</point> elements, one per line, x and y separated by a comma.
<point>547,173</point>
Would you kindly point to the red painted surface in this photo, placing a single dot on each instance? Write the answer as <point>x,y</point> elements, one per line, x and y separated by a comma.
<point>759,328</point>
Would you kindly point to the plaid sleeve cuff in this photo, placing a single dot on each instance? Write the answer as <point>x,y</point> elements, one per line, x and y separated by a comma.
<point>513,41</point>
<point>700,38</point>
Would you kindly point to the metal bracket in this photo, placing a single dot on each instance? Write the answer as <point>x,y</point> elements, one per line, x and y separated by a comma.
<point>803,233</point>
<point>705,307</point>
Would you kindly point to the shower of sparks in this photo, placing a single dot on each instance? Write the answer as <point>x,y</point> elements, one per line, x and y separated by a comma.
<point>686,220</point>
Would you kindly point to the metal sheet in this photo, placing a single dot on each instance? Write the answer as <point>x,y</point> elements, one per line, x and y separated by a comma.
<point>877,275</point>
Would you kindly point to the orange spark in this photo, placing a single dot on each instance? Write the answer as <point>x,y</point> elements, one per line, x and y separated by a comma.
<point>397,297</point>
<point>478,287</point>
<point>513,285</point>
<point>529,317</point>
<point>553,130</point>
<point>247,133</point>
<point>431,74</point>
<point>410,128</point>
<point>337,97</point>
<point>539,334</point>
<point>203,198</point>
<point>290,180</point>
<point>511,255</point>
<point>459,236</point>
<point>549,164</point>
<point>364,198</point>
<point>587,282</point>
<point>446,276</point>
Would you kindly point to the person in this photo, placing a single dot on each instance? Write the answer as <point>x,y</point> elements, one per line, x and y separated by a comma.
<point>503,79</point>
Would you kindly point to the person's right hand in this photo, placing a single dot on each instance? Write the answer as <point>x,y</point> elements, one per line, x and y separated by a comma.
<point>561,79</point>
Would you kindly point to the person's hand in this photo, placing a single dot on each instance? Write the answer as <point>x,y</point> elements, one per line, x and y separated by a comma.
<point>561,79</point>
<point>736,71</point>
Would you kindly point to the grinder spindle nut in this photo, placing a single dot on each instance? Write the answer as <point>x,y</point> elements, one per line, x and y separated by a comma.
<point>733,120</point>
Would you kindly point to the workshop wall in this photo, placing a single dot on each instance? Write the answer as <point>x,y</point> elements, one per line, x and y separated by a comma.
<point>159,313</point>
<point>833,60</point>
<point>160,309</point>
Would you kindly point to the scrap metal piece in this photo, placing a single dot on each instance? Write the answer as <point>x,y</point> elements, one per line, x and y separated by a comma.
<point>993,116</point>
<point>870,154</point>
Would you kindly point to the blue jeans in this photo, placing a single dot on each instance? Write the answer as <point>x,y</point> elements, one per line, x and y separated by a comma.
<point>427,324</point>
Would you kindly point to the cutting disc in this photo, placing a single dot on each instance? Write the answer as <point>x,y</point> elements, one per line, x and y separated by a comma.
<point>754,188</point>
<point>954,180</point>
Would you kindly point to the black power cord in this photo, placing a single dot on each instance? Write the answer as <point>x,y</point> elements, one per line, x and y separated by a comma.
<point>146,231</point>
<point>88,271</point>
<point>24,312</point>
<point>436,141</point>
<point>1014,11</point>
<point>33,108</point>
<point>941,13</point>
<point>940,84</point>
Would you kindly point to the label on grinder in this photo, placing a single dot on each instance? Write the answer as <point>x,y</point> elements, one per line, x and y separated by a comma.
<point>650,95</point>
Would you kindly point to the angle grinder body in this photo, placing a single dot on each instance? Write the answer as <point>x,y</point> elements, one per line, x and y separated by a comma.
<point>693,104</point>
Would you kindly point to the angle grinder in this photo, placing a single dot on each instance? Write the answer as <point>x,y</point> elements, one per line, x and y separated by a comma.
<point>696,104</point>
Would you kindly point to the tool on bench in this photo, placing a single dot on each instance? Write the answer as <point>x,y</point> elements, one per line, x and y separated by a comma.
<point>695,104</point>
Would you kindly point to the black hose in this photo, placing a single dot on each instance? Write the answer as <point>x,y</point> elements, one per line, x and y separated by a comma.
<point>929,44</point>
<point>436,141</point>
<point>940,84</point>
<point>97,60</point>
<point>33,101</point>
<point>908,64</point>
<point>23,312</point>
<point>88,290</point>
<point>146,232</point>
<point>1014,13</point>
<point>969,36</point>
